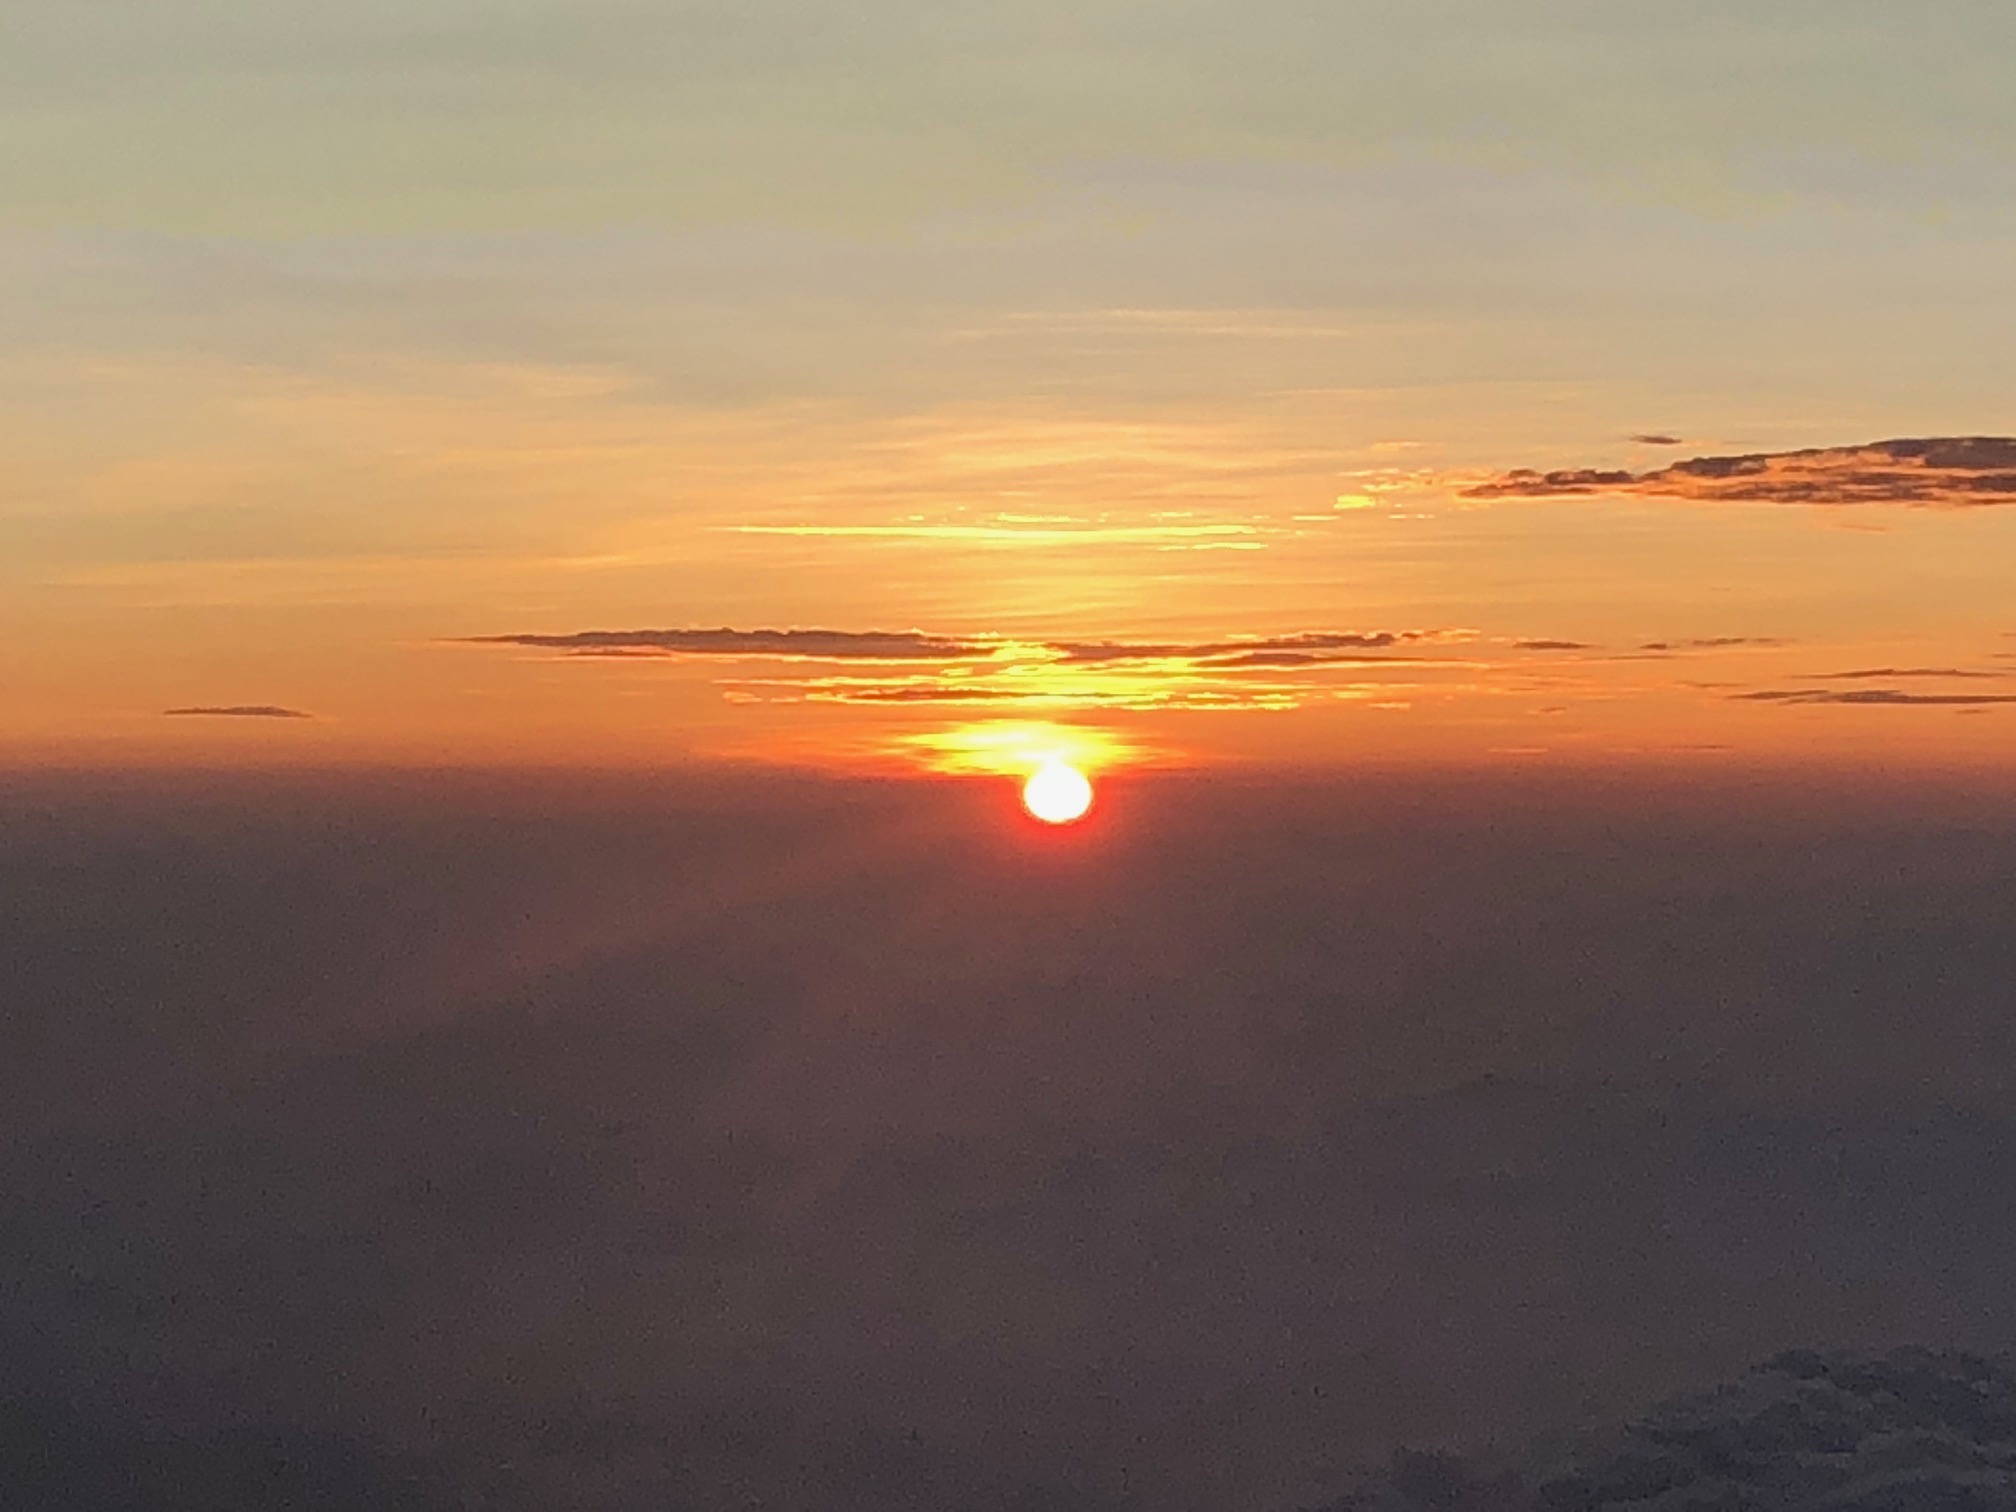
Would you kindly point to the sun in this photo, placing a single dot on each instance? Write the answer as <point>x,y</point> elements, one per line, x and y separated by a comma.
<point>1057,793</point>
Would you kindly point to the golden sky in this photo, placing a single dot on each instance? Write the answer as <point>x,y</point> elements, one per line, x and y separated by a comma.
<point>504,381</point>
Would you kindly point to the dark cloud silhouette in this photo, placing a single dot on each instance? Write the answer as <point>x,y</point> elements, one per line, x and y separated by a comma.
<point>1910,1430</point>
<point>1893,697</point>
<point>241,711</point>
<point>1955,472</point>
<point>818,645</point>
<point>1657,438</point>
<point>1553,645</point>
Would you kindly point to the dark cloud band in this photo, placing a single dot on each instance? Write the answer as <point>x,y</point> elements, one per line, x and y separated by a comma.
<point>1939,472</point>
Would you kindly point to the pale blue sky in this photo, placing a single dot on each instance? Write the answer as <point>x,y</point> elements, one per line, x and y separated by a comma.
<point>369,114</point>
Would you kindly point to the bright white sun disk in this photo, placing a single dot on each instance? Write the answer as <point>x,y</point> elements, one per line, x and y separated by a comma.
<point>1057,793</point>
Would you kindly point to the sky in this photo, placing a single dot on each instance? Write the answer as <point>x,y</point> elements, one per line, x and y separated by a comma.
<point>532,532</point>
<point>407,384</point>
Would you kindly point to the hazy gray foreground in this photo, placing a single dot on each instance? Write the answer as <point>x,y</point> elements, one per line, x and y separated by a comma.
<point>707,1145</point>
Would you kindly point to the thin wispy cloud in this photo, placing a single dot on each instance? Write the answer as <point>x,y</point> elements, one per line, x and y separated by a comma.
<point>1213,537</point>
<point>1873,673</point>
<point>1143,694</point>
<point>809,645</point>
<point>1940,472</point>
<point>1309,645</point>
<point>920,646</point>
<point>1715,643</point>
<point>238,711</point>
<point>1874,697</point>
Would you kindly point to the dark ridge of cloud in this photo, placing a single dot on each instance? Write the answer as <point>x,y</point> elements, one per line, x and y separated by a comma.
<point>1657,438</point>
<point>240,711</point>
<point>1876,697</point>
<point>1552,645</point>
<point>1911,1428</point>
<point>1715,643</point>
<point>812,645</point>
<point>1862,673</point>
<point>1938,472</point>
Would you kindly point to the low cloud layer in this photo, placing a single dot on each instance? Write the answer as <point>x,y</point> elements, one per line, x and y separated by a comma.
<point>239,711</point>
<point>916,645</point>
<point>994,671</point>
<point>1288,670</point>
<point>1941,472</point>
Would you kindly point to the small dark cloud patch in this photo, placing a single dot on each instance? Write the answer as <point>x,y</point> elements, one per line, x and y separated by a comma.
<point>1875,697</point>
<point>1938,472</point>
<point>1657,438</point>
<point>1552,645</point>
<point>239,711</point>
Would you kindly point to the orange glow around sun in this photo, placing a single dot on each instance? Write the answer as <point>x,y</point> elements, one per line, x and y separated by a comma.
<point>1057,793</point>
<point>1014,748</point>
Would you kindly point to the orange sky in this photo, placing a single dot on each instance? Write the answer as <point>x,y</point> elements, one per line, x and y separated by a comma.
<point>1244,380</point>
